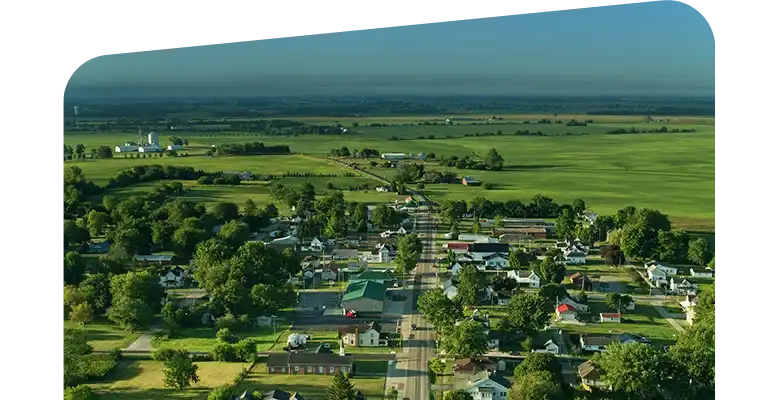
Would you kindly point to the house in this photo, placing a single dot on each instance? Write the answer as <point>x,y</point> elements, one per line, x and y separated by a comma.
<point>454,269</point>
<point>318,243</point>
<point>581,282</point>
<point>665,268</point>
<point>486,248</point>
<point>330,272</point>
<point>590,217</point>
<point>590,376</point>
<point>402,231</point>
<point>469,181</point>
<point>458,248</point>
<point>683,285</point>
<point>321,361</point>
<point>597,342</point>
<point>364,297</point>
<point>502,297</point>
<point>99,247</point>
<point>173,278</point>
<point>466,367</point>
<point>549,347</point>
<point>287,240</point>
<point>472,237</point>
<point>701,273</point>
<point>575,257</point>
<point>160,259</point>
<point>657,276</point>
<point>344,254</point>
<point>384,278</point>
<point>449,289</point>
<point>496,261</point>
<point>494,339</point>
<point>367,335</point>
<point>277,394</point>
<point>295,340</point>
<point>308,273</point>
<point>385,253</point>
<point>609,317</point>
<point>484,385</point>
<point>525,278</point>
<point>577,306</point>
<point>565,312</point>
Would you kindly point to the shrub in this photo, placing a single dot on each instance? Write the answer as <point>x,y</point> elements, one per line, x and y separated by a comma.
<point>224,392</point>
<point>202,357</point>
<point>80,392</point>
<point>97,366</point>
<point>233,323</point>
<point>489,185</point>
<point>224,352</point>
<point>163,354</point>
<point>115,353</point>
<point>241,375</point>
<point>246,350</point>
<point>224,335</point>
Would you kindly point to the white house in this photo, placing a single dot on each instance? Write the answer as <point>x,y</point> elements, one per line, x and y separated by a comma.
<point>525,277</point>
<point>549,347</point>
<point>449,289</point>
<point>173,278</point>
<point>683,286</point>
<point>455,268</point>
<point>330,272</point>
<point>609,317</point>
<point>368,335</point>
<point>577,306</point>
<point>657,276</point>
<point>318,243</point>
<point>665,268</point>
<point>385,253</point>
<point>575,257</point>
<point>496,261</point>
<point>596,343</point>
<point>402,231</point>
<point>150,149</point>
<point>701,273</point>
<point>484,385</point>
<point>565,312</point>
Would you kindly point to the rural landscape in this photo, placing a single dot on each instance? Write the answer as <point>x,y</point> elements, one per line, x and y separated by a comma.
<point>445,247</point>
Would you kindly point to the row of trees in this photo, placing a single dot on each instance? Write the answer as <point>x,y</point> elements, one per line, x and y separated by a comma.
<point>345,152</point>
<point>452,212</point>
<point>254,148</point>
<point>493,161</point>
<point>79,153</point>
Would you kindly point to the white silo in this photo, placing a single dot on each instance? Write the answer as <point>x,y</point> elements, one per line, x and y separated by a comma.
<point>154,138</point>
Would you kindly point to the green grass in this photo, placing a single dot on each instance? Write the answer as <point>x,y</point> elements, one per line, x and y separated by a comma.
<point>143,379</point>
<point>104,335</point>
<point>310,386</point>
<point>674,173</point>
<point>372,367</point>
<point>645,321</point>
<point>329,337</point>
<point>204,339</point>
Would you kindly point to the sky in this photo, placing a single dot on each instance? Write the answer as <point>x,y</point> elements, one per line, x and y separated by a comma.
<point>657,48</point>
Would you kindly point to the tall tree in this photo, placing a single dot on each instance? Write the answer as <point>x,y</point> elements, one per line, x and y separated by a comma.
<point>439,310</point>
<point>565,224</point>
<point>82,313</point>
<point>408,251</point>
<point>180,371</point>
<point>494,161</point>
<point>617,301</point>
<point>185,239</point>
<point>225,211</point>
<point>526,314</point>
<point>520,257</point>
<point>96,222</point>
<point>472,286</point>
<point>578,206</point>
<point>233,233</point>
<point>633,368</point>
<point>639,240</point>
<point>341,389</point>
<point>699,251</point>
<point>537,385</point>
<point>552,293</point>
<point>550,271</point>
<point>74,268</point>
<point>466,339</point>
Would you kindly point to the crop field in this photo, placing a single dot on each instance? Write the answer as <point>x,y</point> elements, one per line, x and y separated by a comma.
<point>673,172</point>
<point>143,379</point>
<point>310,386</point>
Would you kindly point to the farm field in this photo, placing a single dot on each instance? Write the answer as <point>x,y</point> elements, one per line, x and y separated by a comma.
<point>104,335</point>
<point>310,386</point>
<point>143,380</point>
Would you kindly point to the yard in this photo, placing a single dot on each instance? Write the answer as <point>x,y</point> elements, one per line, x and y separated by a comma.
<point>204,338</point>
<point>310,386</point>
<point>104,335</point>
<point>143,379</point>
<point>330,338</point>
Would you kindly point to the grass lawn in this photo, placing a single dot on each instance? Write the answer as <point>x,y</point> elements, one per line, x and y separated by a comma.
<point>373,367</point>
<point>143,379</point>
<point>310,386</point>
<point>644,321</point>
<point>330,338</point>
<point>104,335</point>
<point>205,338</point>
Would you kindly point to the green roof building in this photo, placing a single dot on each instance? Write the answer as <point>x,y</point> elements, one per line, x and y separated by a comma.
<point>364,297</point>
<point>385,278</point>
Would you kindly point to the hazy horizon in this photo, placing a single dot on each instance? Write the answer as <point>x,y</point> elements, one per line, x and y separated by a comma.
<point>647,49</point>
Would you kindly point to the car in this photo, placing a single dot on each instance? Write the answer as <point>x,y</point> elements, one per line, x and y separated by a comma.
<point>414,327</point>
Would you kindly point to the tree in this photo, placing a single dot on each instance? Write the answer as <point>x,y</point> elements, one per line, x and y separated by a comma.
<point>617,301</point>
<point>459,394</point>
<point>180,371</point>
<point>173,317</point>
<point>185,239</point>
<point>452,211</point>
<point>80,150</point>
<point>436,366</point>
<point>693,356</point>
<point>75,235</point>
<point>80,392</point>
<point>74,268</point>
<point>135,298</point>
<point>439,310</point>
<point>612,254</point>
<point>476,227</point>
<point>224,392</point>
<point>75,347</point>
<point>494,161</point>
<point>96,222</point>
<point>565,224</point>
<point>466,339</point>
<point>104,152</point>
<point>536,362</point>
<point>408,250</point>
<point>472,286</point>
<point>272,298</point>
<point>246,349</point>
<point>634,368</point>
<point>340,389</point>
<point>383,216</point>
<point>526,314</point>
<point>271,210</point>
<point>336,228</point>
<point>699,251</point>
<point>582,297</point>
<point>552,293</point>
<point>520,258</point>
<point>578,206</point>
<point>233,233</point>
<point>538,385</point>
<point>672,246</point>
<point>82,313</point>
<point>225,212</point>
<point>95,291</point>
<point>130,313</point>
<point>498,222</point>
<point>639,240</point>
<point>550,271</point>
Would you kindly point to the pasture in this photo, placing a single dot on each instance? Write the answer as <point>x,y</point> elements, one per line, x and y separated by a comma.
<point>673,172</point>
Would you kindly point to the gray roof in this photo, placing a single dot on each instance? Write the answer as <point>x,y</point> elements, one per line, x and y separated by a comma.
<point>291,359</point>
<point>590,340</point>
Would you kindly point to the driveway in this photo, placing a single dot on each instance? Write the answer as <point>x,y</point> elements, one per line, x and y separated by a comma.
<point>144,342</point>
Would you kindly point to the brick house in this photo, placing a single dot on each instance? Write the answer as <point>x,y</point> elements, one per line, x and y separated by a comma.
<point>321,361</point>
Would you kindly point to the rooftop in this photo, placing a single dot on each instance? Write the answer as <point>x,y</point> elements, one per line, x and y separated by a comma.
<point>364,289</point>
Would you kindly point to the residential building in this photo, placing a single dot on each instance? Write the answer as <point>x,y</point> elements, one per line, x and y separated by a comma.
<point>664,268</point>
<point>528,278</point>
<point>329,272</point>
<point>159,259</point>
<point>277,394</point>
<point>449,289</point>
<point>463,368</point>
<point>321,361</point>
<point>590,376</point>
<point>575,257</point>
<point>609,317</point>
<point>344,254</point>
<point>597,342</point>
<point>565,312</point>
<point>484,385</point>
<point>99,247</point>
<point>494,340</point>
<point>657,276</point>
<point>454,269</point>
<point>496,261</point>
<point>581,282</point>
<point>701,273</point>
<point>173,278</point>
<point>364,297</point>
<point>549,347</point>
<point>683,286</point>
<point>577,306</point>
<point>383,277</point>
<point>366,335</point>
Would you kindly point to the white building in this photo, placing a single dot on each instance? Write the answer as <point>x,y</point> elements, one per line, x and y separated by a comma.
<point>579,307</point>
<point>367,335</point>
<point>150,149</point>
<point>701,273</point>
<point>154,139</point>
<point>393,156</point>
<point>609,317</point>
<point>126,148</point>
<point>575,258</point>
<point>683,286</point>
<point>525,277</point>
<point>174,147</point>
<point>549,347</point>
<point>657,276</point>
<point>173,278</point>
<point>484,385</point>
<point>449,289</point>
<point>665,268</point>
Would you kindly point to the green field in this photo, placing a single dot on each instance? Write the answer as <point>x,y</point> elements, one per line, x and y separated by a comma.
<point>204,339</point>
<point>644,321</point>
<point>143,379</point>
<point>310,386</point>
<point>104,335</point>
<point>673,172</point>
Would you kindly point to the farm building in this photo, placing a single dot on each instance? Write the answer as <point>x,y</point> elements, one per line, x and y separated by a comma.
<point>469,181</point>
<point>150,149</point>
<point>394,156</point>
<point>174,147</point>
<point>609,317</point>
<point>364,297</point>
<point>126,148</point>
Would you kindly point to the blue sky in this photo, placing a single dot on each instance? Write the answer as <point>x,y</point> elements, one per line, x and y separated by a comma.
<point>661,47</point>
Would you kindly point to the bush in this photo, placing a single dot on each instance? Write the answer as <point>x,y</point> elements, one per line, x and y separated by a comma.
<point>241,375</point>
<point>224,335</point>
<point>115,353</point>
<point>234,324</point>
<point>246,350</point>
<point>224,392</point>
<point>163,354</point>
<point>224,352</point>
<point>489,185</point>
<point>97,366</point>
<point>80,392</point>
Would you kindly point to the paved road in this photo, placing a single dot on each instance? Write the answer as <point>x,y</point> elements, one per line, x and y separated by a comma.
<point>144,342</point>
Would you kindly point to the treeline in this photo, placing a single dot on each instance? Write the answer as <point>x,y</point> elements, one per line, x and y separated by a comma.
<point>345,152</point>
<point>254,148</point>
<point>149,173</point>
<point>662,129</point>
<point>493,161</point>
<point>540,206</point>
